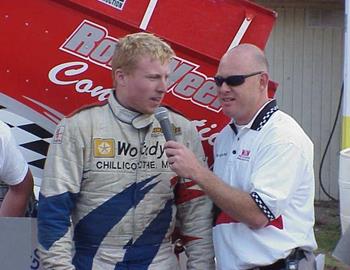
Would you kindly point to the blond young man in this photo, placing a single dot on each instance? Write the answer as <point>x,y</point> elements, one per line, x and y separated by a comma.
<point>106,172</point>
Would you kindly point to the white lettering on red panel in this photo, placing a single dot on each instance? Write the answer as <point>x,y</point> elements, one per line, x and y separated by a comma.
<point>62,75</point>
<point>91,42</point>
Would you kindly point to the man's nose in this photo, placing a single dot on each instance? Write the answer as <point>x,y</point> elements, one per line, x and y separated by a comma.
<point>223,89</point>
<point>163,85</point>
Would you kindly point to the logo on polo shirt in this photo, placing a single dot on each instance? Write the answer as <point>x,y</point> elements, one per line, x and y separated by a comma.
<point>244,155</point>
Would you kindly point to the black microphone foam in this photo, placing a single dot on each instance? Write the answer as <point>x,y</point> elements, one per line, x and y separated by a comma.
<point>162,115</point>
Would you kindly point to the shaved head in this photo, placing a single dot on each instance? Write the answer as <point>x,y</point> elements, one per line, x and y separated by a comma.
<point>246,56</point>
<point>241,99</point>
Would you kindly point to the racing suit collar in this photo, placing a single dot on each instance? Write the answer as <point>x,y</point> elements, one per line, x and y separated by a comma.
<point>136,119</point>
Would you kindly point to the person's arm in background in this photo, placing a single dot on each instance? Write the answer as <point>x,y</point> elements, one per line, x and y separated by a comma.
<point>14,172</point>
<point>17,197</point>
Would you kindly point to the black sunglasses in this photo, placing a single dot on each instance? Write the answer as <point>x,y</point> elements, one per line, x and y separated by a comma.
<point>234,80</point>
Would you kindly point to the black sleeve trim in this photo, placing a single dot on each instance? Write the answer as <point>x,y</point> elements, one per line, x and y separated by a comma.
<point>260,203</point>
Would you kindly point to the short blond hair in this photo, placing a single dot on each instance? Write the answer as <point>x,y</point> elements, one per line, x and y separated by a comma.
<point>129,48</point>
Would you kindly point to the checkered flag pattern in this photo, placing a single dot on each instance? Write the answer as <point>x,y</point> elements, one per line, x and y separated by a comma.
<point>262,206</point>
<point>33,140</point>
<point>266,117</point>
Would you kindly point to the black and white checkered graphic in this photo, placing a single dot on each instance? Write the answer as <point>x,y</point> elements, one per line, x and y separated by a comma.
<point>266,117</point>
<point>262,206</point>
<point>33,140</point>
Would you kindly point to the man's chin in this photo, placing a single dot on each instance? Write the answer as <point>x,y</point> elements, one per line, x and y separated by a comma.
<point>228,112</point>
<point>152,109</point>
<point>149,110</point>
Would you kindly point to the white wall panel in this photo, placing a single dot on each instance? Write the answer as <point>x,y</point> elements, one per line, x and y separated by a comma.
<point>305,51</point>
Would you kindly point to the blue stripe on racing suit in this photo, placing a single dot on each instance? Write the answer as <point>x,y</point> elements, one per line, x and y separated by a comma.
<point>54,217</point>
<point>141,253</point>
<point>102,219</point>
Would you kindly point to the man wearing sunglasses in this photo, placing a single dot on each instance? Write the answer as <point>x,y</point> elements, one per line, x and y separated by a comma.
<point>263,179</point>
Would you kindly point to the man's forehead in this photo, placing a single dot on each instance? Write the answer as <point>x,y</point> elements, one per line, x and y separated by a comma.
<point>229,63</point>
<point>142,59</point>
<point>150,65</point>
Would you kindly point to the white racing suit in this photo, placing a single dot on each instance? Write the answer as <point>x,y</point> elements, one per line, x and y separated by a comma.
<point>107,175</point>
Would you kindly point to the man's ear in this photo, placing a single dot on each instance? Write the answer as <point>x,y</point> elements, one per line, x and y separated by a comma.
<point>120,77</point>
<point>264,80</point>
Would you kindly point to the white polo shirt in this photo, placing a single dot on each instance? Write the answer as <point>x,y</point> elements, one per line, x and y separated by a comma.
<point>272,159</point>
<point>13,166</point>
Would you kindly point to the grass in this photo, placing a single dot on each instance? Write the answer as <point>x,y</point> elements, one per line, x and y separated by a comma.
<point>327,231</point>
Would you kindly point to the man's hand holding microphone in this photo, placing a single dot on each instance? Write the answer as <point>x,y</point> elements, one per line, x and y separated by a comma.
<point>181,160</point>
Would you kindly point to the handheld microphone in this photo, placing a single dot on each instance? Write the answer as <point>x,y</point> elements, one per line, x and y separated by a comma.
<point>162,115</point>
